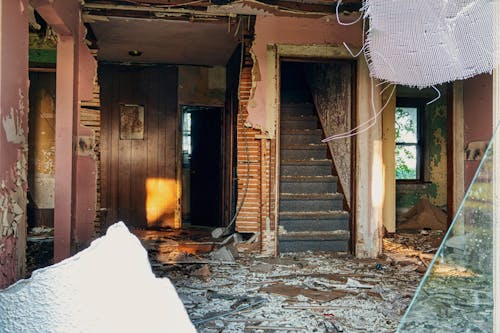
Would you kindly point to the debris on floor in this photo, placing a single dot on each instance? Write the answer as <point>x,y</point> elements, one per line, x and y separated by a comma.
<point>39,248</point>
<point>299,292</point>
<point>224,290</point>
<point>424,215</point>
<point>108,287</point>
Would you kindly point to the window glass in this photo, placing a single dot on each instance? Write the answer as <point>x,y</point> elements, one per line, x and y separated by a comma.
<point>407,143</point>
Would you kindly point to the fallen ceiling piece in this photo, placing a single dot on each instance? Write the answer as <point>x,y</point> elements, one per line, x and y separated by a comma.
<point>108,287</point>
<point>428,42</point>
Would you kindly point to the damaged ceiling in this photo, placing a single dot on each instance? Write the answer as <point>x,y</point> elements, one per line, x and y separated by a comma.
<point>164,41</point>
<point>195,32</point>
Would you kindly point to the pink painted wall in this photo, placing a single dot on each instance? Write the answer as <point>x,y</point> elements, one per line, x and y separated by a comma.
<point>13,137</point>
<point>63,15</point>
<point>294,31</point>
<point>478,116</point>
<point>75,195</point>
<point>86,167</point>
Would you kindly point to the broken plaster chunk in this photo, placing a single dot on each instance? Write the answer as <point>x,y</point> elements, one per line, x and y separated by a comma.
<point>223,255</point>
<point>108,287</point>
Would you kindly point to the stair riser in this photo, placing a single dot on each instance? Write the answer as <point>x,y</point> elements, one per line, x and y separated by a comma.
<point>310,205</point>
<point>301,139</point>
<point>297,111</point>
<point>308,187</point>
<point>299,124</point>
<point>306,170</point>
<point>313,245</point>
<point>315,225</point>
<point>303,154</point>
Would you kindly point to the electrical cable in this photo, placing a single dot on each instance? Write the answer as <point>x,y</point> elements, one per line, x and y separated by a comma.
<point>366,125</point>
<point>339,2</point>
<point>435,99</point>
<point>245,139</point>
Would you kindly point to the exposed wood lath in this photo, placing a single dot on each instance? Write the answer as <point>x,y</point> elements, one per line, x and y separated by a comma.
<point>90,116</point>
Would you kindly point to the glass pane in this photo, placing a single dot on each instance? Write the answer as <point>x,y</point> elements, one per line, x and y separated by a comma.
<point>406,125</point>
<point>456,294</point>
<point>406,162</point>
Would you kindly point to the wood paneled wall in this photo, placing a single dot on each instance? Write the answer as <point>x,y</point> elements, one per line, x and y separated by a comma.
<point>139,175</point>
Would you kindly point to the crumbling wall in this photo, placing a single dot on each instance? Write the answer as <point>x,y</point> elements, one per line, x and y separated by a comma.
<point>13,139</point>
<point>303,32</point>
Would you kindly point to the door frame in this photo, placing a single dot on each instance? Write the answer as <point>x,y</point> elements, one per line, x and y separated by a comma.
<point>317,53</point>
<point>346,206</point>
<point>226,159</point>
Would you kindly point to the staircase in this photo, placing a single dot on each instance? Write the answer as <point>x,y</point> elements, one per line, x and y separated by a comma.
<point>311,210</point>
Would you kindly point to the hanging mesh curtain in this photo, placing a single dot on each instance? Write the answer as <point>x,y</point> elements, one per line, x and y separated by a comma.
<point>427,42</point>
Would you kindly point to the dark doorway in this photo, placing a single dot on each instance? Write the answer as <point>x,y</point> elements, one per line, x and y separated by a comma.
<point>202,165</point>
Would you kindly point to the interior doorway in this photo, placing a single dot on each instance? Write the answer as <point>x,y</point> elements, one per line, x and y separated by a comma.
<point>41,148</point>
<point>202,166</point>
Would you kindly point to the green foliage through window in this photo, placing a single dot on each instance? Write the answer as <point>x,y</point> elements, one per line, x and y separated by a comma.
<point>406,143</point>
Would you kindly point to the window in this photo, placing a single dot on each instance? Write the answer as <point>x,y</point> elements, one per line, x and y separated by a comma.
<point>408,141</point>
<point>186,138</point>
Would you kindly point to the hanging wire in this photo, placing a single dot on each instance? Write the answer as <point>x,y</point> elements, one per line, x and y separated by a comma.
<point>366,125</point>
<point>437,97</point>
<point>339,2</point>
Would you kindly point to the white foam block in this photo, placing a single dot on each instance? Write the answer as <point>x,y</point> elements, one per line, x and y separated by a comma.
<point>108,287</point>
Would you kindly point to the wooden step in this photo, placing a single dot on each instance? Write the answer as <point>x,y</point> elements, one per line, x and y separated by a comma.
<point>321,167</point>
<point>308,184</point>
<point>314,221</point>
<point>292,202</point>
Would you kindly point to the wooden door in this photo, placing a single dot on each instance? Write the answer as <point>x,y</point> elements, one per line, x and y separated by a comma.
<point>229,181</point>
<point>138,144</point>
<point>206,169</point>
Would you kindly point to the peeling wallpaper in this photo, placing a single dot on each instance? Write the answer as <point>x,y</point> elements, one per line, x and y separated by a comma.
<point>330,85</point>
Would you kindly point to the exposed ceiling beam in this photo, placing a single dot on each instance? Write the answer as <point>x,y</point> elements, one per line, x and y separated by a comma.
<point>159,8</point>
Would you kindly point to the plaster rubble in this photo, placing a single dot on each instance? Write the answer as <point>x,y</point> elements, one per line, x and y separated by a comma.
<point>109,287</point>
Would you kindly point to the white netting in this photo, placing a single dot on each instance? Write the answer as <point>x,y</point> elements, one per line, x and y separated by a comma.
<point>426,42</point>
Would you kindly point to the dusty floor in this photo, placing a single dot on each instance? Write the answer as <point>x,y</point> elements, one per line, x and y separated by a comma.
<point>307,292</point>
<point>226,291</point>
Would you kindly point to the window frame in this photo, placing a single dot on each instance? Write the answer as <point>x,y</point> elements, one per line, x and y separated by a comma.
<point>419,104</point>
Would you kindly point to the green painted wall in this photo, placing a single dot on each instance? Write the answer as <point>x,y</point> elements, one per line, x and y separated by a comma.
<point>42,49</point>
<point>434,187</point>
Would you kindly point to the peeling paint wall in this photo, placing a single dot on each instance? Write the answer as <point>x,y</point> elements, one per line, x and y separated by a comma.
<point>271,30</point>
<point>13,138</point>
<point>86,158</point>
<point>434,185</point>
<point>202,85</point>
<point>75,179</point>
<point>330,85</point>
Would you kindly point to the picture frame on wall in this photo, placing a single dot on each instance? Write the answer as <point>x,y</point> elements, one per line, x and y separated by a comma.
<point>131,122</point>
